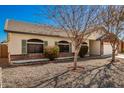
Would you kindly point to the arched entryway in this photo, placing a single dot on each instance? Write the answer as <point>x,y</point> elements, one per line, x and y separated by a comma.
<point>84,49</point>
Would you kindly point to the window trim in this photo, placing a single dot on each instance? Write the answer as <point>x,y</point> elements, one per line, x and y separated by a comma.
<point>84,44</point>
<point>34,43</point>
<point>63,43</point>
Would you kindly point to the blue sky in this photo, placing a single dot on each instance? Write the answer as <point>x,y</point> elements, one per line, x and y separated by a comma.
<point>27,13</point>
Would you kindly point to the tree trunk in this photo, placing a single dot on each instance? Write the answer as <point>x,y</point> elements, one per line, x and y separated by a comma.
<point>113,54</point>
<point>75,59</point>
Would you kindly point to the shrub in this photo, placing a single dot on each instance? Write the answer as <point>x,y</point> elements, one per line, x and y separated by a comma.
<point>83,51</point>
<point>51,52</point>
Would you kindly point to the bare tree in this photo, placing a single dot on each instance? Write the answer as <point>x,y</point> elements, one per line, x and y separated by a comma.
<point>112,19</point>
<point>75,21</point>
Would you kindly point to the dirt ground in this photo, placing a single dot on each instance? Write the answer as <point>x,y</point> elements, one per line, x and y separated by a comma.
<point>97,73</point>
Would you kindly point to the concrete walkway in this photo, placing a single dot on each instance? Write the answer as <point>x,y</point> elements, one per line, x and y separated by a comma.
<point>57,59</point>
<point>38,60</point>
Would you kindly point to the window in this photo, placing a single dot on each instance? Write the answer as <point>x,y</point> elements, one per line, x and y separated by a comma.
<point>63,46</point>
<point>35,46</point>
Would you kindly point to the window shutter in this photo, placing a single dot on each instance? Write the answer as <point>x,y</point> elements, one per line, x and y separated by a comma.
<point>70,47</point>
<point>45,43</point>
<point>56,43</point>
<point>24,47</point>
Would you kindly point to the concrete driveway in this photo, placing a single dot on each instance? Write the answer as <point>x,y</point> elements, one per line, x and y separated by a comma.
<point>120,56</point>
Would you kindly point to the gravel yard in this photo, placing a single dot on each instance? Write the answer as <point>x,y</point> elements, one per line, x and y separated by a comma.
<point>97,73</point>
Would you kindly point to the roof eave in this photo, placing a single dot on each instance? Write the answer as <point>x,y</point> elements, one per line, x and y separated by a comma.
<point>9,31</point>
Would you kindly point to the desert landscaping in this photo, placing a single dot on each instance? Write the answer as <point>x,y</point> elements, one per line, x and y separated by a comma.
<point>96,73</point>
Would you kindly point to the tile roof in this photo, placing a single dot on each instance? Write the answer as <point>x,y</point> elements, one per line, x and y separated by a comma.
<point>29,28</point>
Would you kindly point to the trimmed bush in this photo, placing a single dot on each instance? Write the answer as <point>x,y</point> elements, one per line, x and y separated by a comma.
<point>51,52</point>
<point>83,51</point>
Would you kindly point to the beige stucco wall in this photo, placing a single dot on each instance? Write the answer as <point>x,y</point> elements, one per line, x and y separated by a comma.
<point>15,39</point>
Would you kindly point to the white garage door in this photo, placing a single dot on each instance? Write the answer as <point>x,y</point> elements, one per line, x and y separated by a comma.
<point>107,49</point>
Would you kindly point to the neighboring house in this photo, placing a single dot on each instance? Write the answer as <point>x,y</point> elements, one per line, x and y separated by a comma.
<point>27,41</point>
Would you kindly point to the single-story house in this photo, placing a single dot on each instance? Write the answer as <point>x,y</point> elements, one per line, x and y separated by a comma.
<point>27,41</point>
